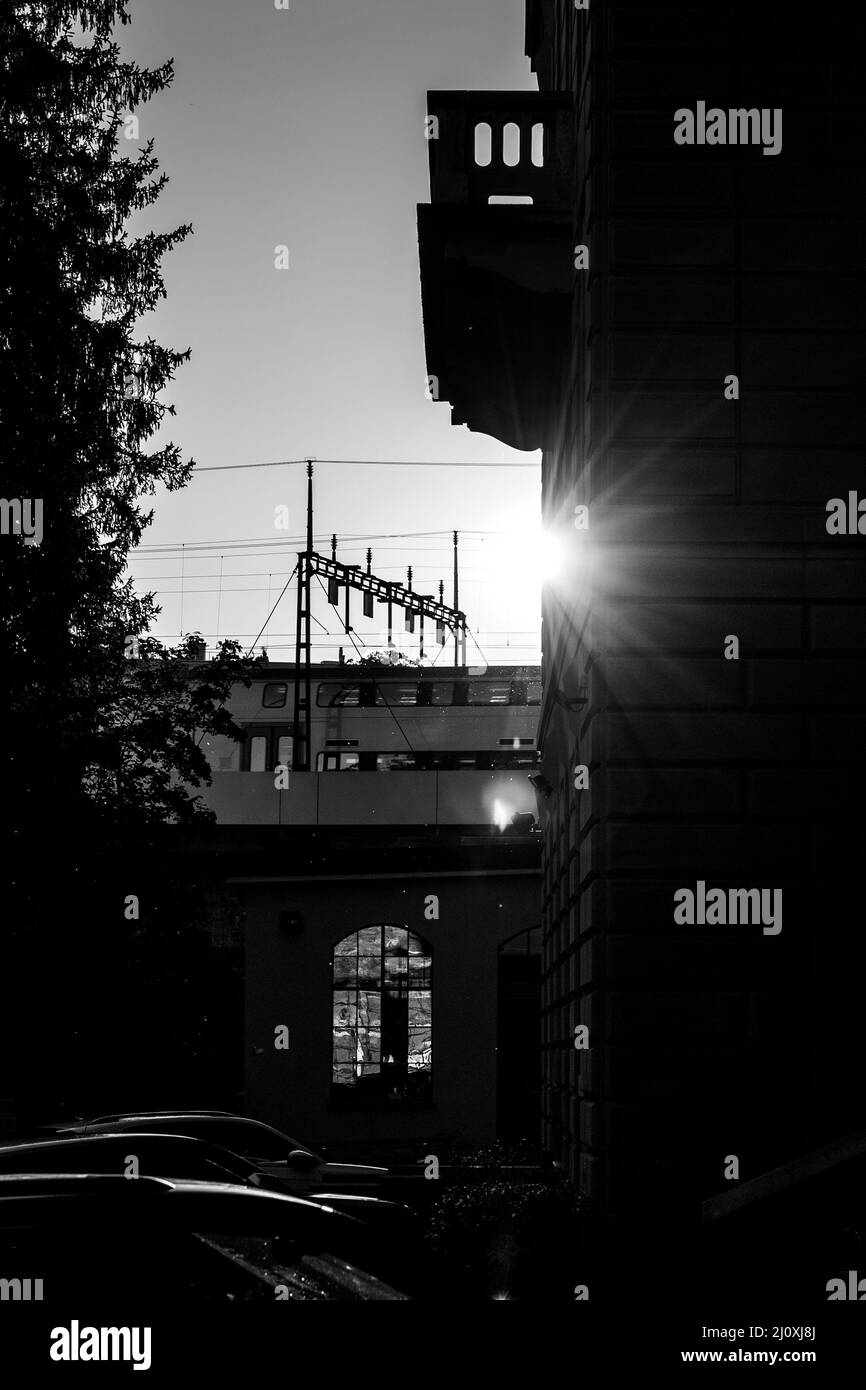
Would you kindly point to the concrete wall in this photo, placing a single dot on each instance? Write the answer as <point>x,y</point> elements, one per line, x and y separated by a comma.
<point>369,798</point>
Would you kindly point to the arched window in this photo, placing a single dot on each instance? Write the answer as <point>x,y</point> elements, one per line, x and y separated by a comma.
<point>382,1016</point>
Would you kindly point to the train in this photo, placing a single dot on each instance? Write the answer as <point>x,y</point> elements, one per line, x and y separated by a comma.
<point>387,719</point>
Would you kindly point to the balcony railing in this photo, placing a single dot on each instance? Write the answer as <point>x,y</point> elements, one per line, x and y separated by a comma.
<point>500,146</point>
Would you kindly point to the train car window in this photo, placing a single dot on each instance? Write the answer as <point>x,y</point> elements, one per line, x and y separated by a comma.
<point>396,693</point>
<point>488,693</point>
<point>258,753</point>
<point>518,692</point>
<point>337,762</point>
<point>533,692</point>
<point>330,694</point>
<point>274,695</point>
<point>446,762</point>
<point>285,749</point>
<point>396,762</point>
<point>520,757</point>
<point>371,695</point>
<point>441,692</point>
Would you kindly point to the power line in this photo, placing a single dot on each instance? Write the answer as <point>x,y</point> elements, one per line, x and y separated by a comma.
<point>361,537</point>
<point>374,463</point>
<point>271,614</point>
<point>350,635</point>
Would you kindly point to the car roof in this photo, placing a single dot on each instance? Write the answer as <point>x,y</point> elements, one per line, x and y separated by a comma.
<point>33,1186</point>
<point>134,1116</point>
<point>155,1114</point>
<point>172,1116</point>
<point>73,1143</point>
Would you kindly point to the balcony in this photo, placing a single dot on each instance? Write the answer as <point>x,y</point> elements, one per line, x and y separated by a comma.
<point>496,258</point>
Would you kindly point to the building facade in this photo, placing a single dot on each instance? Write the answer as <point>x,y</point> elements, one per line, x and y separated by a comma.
<point>390,904</point>
<point>697,242</point>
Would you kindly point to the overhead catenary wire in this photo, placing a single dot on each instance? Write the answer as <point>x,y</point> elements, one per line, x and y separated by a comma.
<point>351,637</point>
<point>372,463</point>
<point>271,614</point>
<point>347,540</point>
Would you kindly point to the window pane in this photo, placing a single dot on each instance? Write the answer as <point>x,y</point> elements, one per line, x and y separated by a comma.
<point>330,693</point>
<point>369,1050</point>
<point>258,754</point>
<point>345,970</point>
<point>399,694</point>
<point>345,1008</point>
<point>396,974</point>
<point>395,939</point>
<point>348,946</point>
<point>274,695</point>
<point>419,1029</point>
<point>533,692</point>
<point>369,1008</point>
<point>419,972</point>
<point>489,693</point>
<point>369,971</point>
<point>285,745</point>
<point>370,940</point>
<point>349,762</point>
<point>441,692</point>
<point>416,945</point>
<point>396,762</point>
<point>371,695</point>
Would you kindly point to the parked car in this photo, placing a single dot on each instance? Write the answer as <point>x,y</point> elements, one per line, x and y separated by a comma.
<point>155,1240</point>
<point>179,1156</point>
<point>156,1155</point>
<point>297,1167</point>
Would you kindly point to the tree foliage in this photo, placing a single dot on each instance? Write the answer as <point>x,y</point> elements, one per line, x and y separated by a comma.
<point>74,283</point>
<point>101,751</point>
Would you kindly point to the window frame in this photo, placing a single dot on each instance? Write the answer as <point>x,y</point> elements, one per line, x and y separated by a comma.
<point>385,1090</point>
<point>271,733</point>
<point>271,685</point>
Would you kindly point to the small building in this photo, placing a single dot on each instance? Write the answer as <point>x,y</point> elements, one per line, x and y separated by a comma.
<point>390,903</point>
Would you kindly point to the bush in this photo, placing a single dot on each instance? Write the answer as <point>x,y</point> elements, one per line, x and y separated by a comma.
<point>508,1239</point>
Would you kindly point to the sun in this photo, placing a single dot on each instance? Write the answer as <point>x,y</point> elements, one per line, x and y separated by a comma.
<point>543,555</point>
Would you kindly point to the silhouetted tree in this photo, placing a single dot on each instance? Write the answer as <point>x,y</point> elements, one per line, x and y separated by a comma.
<point>101,751</point>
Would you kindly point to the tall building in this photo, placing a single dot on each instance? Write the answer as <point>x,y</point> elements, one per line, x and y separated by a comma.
<point>664,291</point>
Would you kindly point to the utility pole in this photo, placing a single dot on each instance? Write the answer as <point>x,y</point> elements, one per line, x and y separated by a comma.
<point>303,650</point>
<point>455,604</point>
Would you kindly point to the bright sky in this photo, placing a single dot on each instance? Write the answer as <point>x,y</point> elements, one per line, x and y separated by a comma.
<point>305,128</point>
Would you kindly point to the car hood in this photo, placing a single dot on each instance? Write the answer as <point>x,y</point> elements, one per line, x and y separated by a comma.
<point>351,1170</point>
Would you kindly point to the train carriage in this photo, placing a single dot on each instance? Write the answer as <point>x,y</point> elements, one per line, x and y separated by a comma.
<point>388,719</point>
